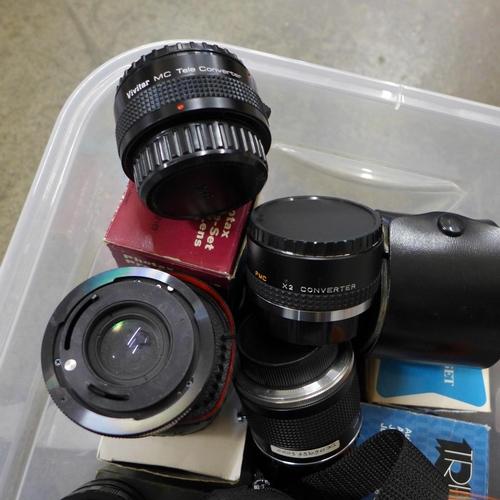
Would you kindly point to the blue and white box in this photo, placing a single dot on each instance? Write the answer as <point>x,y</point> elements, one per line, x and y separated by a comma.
<point>459,450</point>
<point>428,385</point>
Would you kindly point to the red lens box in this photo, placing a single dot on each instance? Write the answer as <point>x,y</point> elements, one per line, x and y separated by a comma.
<point>209,248</point>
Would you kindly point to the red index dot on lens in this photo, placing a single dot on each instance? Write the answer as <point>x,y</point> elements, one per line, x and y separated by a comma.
<point>180,106</point>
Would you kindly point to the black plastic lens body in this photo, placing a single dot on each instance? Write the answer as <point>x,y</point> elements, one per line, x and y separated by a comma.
<point>192,131</point>
<point>135,351</point>
<point>302,402</point>
<point>314,266</point>
<point>105,489</point>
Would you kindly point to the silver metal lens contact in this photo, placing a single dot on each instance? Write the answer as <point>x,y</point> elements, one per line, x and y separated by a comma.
<point>305,395</point>
<point>313,316</point>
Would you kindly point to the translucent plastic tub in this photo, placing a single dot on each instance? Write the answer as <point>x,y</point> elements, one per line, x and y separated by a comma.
<point>387,146</point>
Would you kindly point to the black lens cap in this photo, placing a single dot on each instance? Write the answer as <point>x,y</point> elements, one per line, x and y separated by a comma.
<point>317,226</point>
<point>200,169</point>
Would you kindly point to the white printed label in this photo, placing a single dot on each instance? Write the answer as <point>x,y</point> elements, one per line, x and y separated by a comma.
<point>318,452</point>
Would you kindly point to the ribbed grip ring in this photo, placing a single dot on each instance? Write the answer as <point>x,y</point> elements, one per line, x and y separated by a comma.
<point>311,302</point>
<point>184,140</point>
<point>311,431</point>
<point>314,248</point>
<point>180,89</point>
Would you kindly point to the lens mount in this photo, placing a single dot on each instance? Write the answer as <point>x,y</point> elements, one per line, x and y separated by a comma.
<point>121,355</point>
<point>192,131</point>
<point>311,377</point>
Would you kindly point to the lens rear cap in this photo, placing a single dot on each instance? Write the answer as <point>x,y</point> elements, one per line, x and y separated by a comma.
<point>316,226</point>
<point>200,170</point>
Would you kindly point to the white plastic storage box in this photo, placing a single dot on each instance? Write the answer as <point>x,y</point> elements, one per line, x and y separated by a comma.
<point>378,143</point>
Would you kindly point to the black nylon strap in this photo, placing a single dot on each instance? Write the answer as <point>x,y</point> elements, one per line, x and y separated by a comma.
<point>386,463</point>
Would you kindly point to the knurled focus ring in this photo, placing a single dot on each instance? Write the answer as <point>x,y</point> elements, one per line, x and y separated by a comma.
<point>311,431</point>
<point>311,302</point>
<point>184,140</point>
<point>177,90</point>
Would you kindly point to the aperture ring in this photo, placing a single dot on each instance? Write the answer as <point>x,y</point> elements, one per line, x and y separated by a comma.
<point>184,140</point>
<point>180,89</point>
<point>311,301</point>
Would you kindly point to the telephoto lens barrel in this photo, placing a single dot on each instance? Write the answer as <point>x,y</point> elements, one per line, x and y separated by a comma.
<point>192,131</point>
<point>302,402</point>
<point>135,351</point>
<point>313,266</point>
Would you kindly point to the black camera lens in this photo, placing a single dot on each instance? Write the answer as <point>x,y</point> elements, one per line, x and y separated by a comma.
<point>314,266</point>
<point>133,351</point>
<point>192,131</point>
<point>105,489</point>
<point>302,402</point>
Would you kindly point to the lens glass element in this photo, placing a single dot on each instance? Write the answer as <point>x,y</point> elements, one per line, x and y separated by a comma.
<point>130,348</point>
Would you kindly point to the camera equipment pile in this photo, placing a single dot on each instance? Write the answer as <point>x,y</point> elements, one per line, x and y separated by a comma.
<point>135,351</point>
